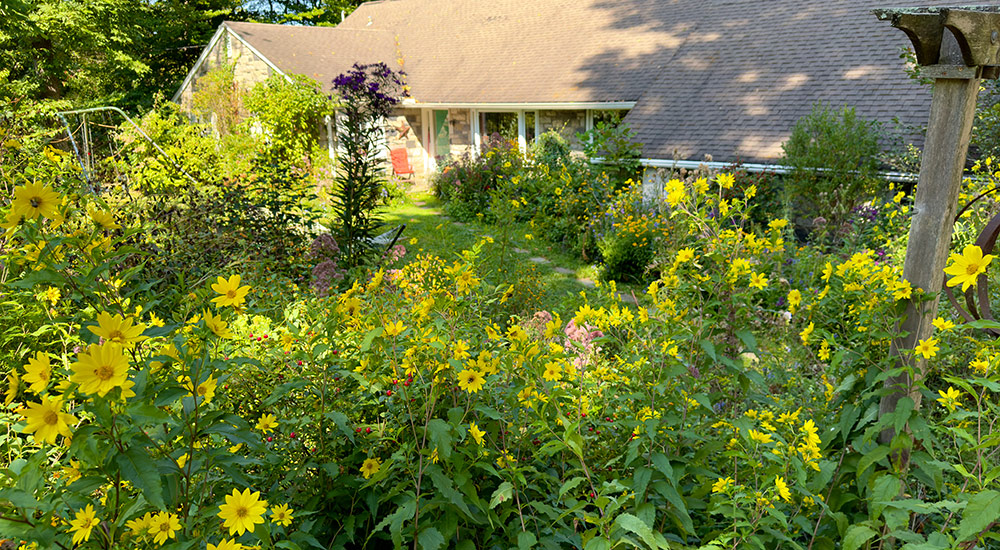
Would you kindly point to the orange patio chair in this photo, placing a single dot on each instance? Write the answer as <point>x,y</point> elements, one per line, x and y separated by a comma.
<point>401,163</point>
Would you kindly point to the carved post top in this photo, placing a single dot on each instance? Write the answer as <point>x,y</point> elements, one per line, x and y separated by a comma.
<point>976,29</point>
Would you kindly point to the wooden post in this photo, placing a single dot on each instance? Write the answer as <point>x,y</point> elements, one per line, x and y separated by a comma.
<point>949,128</point>
<point>952,111</point>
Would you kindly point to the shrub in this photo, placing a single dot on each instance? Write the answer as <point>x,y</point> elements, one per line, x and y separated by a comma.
<point>628,233</point>
<point>834,160</point>
<point>290,111</point>
<point>615,143</point>
<point>466,181</point>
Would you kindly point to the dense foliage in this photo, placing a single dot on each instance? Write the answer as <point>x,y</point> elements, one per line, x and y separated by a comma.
<point>734,406</point>
<point>835,159</point>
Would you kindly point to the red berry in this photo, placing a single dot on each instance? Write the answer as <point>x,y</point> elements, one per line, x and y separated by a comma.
<point>265,337</point>
<point>583,415</point>
<point>592,495</point>
<point>388,393</point>
<point>407,383</point>
<point>292,435</point>
<point>313,450</point>
<point>359,430</point>
<point>395,382</point>
<point>607,419</point>
<point>367,430</point>
<point>268,439</point>
<point>300,362</point>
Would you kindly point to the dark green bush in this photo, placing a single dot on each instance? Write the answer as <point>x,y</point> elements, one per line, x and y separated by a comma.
<point>834,160</point>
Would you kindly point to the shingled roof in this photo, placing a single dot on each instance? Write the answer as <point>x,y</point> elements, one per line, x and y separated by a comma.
<point>321,53</point>
<point>721,77</point>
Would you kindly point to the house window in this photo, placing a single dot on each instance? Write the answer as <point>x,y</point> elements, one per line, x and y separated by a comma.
<point>530,123</point>
<point>503,123</point>
<point>609,117</point>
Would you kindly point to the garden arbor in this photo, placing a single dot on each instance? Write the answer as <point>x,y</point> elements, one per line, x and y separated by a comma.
<point>957,47</point>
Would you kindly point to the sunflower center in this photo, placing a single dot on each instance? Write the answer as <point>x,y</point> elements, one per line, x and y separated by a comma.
<point>971,269</point>
<point>105,372</point>
<point>51,418</point>
<point>35,202</point>
<point>116,335</point>
<point>242,512</point>
<point>164,527</point>
<point>202,390</point>
<point>231,293</point>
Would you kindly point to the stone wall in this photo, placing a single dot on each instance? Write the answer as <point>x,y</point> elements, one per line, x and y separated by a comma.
<point>567,122</point>
<point>404,129</point>
<point>248,69</point>
<point>460,136</point>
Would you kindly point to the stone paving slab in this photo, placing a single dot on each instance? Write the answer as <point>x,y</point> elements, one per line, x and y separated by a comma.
<point>539,260</point>
<point>627,298</point>
<point>589,283</point>
<point>564,271</point>
<point>520,250</point>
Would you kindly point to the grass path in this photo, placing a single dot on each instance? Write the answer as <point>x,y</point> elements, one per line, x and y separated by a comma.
<point>429,230</point>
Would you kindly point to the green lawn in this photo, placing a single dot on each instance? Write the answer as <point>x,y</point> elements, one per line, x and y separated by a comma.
<point>438,234</point>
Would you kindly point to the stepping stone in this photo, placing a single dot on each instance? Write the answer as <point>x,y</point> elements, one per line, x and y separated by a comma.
<point>627,298</point>
<point>520,250</point>
<point>587,283</point>
<point>460,224</point>
<point>539,260</point>
<point>419,203</point>
<point>564,271</point>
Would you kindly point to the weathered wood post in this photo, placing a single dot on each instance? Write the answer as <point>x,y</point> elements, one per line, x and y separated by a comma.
<point>956,47</point>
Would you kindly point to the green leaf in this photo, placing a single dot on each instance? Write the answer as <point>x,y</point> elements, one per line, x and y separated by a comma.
<point>598,543</point>
<point>526,540</point>
<point>635,525</point>
<point>857,535</point>
<point>447,488</point>
<point>140,470</point>
<point>902,413</point>
<point>640,482</point>
<point>679,510</point>
<point>503,493</point>
<point>440,436</point>
<point>747,338</point>
<point>662,464</point>
<point>983,510</point>
<point>871,457</point>
<point>19,499</point>
<point>885,489</point>
<point>430,539</point>
<point>570,485</point>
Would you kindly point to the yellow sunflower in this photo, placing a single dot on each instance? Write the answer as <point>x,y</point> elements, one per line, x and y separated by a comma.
<point>966,267</point>
<point>47,420</point>
<point>34,199</point>
<point>470,380</point>
<point>215,324</point>
<point>83,523</point>
<point>164,526</point>
<point>123,331</point>
<point>369,467</point>
<point>230,292</point>
<point>282,515</point>
<point>100,369</point>
<point>38,372</point>
<point>242,511</point>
